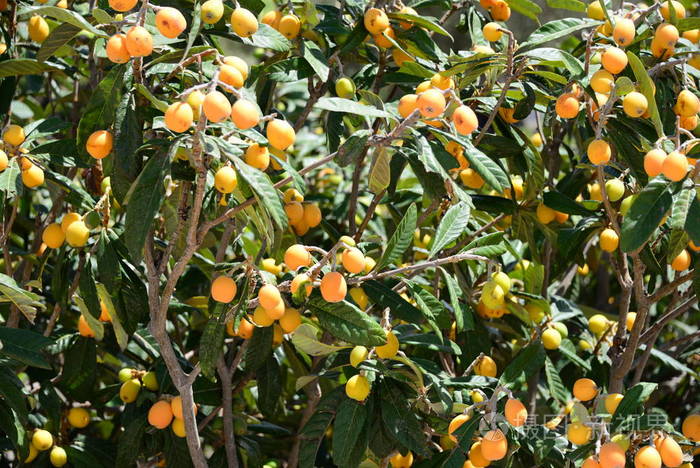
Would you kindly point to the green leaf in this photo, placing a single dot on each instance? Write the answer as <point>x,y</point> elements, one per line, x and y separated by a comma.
<point>380,173</point>
<point>12,393</point>
<point>131,440</point>
<point>648,90</point>
<point>102,16</point>
<point>346,322</point>
<point>486,167</point>
<point>573,5</point>
<point>556,386</point>
<point>557,29</point>
<point>463,315</point>
<point>315,428</point>
<point>645,214</point>
<point>305,338</point>
<point>526,8</point>
<point>427,22</point>
<point>80,369</point>
<point>115,318</point>
<point>401,238</point>
<point>266,194</point>
<point>529,360</point>
<point>268,38</point>
<point>27,302</point>
<point>560,202</point>
<point>128,136</point>
<point>12,425</point>
<point>386,297</point>
<point>259,348</point>
<point>24,346</point>
<point>10,181</point>
<point>100,110</point>
<point>157,103</point>
<point>95,325</point>
<point>22,66</point>
<point>692,222</point>
<point>451,226</point>
<point>60,36</point>
<point>352,148</point>
<point>673,363</point>
<point>314,56</point>
<point>270,386</point>
<point>144,200</point>
<point>632,403</point>
<point>402,423</point>
<point>347,106</point>
<point>63,15</point>
<point>349,425</point>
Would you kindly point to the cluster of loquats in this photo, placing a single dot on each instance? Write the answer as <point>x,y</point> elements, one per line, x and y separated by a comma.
<point>287,24</point>
<point>13,137</point>
<point>168,412</point>
<point>132,382</point>
<point>644,448</point>
<point>302,215</point>
<point>137,41</point>
<point>42,440</point>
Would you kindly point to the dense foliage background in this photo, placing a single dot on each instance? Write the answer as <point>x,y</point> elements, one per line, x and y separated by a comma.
<point>411,240</point>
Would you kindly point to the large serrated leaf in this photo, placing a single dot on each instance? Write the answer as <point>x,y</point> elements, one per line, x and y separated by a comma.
<point>100,110</point>
<point>554,383</point>
<point>463,315</point>
<point>27,302</point>
<point>451,226</point>
<point>648,90</point>
<point>349,425</point>
<point>346,322</point>
<point>347,106</point>
<point>384,296</point>
<point>144,200</point>
<point>556,29</point>
<point>645,214</point>
<point>314,57</point>
<point>23,66</point>
<point>529,360</point>
<point>58,37</point>
<point>486,167</point>
<point>401,238</point>
<point>268,38</point>
<point>24,346</point>
<point>402,423</point>
<point>526,8</point>
<point>632,403</point>
<point>380,173</point>
<point>305,338</point>
<point>266,194</point>
<point>64,15</point>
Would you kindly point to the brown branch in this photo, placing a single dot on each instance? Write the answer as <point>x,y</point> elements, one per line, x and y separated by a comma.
<point>669,288</point>
<point>370,212</point>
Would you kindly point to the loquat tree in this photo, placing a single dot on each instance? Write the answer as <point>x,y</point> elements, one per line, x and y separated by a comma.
<point>354,233</point>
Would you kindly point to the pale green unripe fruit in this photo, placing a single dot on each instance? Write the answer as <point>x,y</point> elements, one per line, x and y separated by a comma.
<point>345,87</point>
<point>561,328</point>
<point>615,189</point>
<point>150,381</point>
<point>125,374</point>
<point>626,204</point>
<point>503,280</point>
